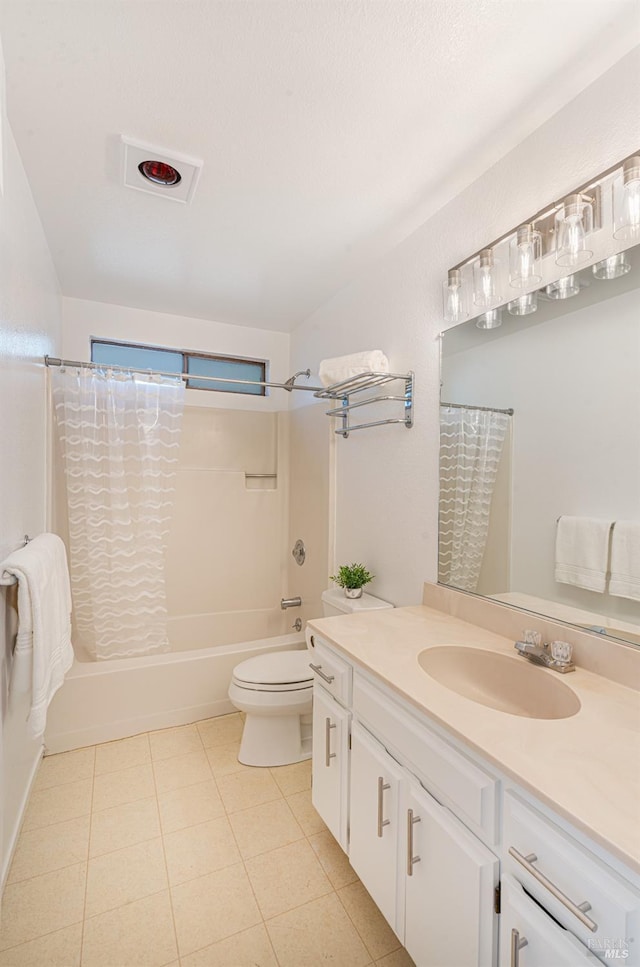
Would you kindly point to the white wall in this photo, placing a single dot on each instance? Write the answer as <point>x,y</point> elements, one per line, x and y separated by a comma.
<point>387,478</point>
<point>576,397</point>
<point>29,328</point>
<point>83,319</point>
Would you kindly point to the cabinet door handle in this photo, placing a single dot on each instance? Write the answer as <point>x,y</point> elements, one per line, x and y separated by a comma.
<point>318,670</point>
<point>517,943</point>
<point>411,859</point>
<point>328,754</point>
<point>579,910</point>
<point>382,787</point>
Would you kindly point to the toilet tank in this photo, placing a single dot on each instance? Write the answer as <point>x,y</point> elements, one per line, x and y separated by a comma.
<point>335,602</point>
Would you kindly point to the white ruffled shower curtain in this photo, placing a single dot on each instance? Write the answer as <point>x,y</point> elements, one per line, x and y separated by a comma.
<point>120,436</point>
<point>471,442</point>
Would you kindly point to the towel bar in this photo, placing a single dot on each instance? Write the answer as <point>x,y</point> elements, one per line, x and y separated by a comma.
<point>11,579</point>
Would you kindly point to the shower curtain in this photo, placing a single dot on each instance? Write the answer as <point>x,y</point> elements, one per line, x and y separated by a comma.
<point>119,436</point>
<point>471,442</point>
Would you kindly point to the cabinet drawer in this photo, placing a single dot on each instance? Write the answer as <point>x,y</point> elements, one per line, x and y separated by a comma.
<point>329,670</point>
<point>563,876</point>
<point>466,789</point>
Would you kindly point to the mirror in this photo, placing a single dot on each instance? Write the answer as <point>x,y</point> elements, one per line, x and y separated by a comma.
<point>544,424</point>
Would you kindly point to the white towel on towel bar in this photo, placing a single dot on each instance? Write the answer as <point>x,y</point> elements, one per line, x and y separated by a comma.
<point>345,367</point>
<point>625,560</point>
<point>582,552</point>
<point>43,653</point>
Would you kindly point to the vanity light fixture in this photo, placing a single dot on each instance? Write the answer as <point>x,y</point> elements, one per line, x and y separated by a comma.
<point>612,268</point>
<point>486,289</point>
<point>574,222</point>
<point>626,201</point>
<point>490,320</point>
<point>454,297</point>
<point>564,288</point>
<point>524,305</point>
<point>524,258</point>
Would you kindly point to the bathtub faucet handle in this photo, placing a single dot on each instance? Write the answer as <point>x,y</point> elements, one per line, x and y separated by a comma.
<point>290,603</point>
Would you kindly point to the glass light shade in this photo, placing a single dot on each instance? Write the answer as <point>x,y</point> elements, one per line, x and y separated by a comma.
<point>490,320</point>
<point>525,251</point>
<point>564,288</point>
<point>486,286</point>
<point>524,305</point>
<point>573,223</point>
<point>454,297</point>
<point>612,268</point>
<point>626,201</point>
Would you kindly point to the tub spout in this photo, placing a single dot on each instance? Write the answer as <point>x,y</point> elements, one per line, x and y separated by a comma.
<point>290,603</point>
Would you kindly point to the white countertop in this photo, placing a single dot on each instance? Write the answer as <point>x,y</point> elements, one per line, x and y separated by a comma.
<point>586,767</point>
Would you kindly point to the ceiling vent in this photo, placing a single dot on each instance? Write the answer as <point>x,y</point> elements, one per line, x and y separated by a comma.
<point>160,172</point>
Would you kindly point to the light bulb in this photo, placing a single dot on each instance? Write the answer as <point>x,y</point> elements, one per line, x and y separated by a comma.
<point>626,201</point>
<point>524,258</point>
<point>485,279</point>
<point>573,223</point>
<point>454,297</point>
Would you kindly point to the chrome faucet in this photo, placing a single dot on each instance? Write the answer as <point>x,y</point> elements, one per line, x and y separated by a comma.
<point>557,656</point>
<point>290,603</point>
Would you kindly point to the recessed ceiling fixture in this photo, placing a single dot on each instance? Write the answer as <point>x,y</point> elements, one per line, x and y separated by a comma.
<point>160,172</point>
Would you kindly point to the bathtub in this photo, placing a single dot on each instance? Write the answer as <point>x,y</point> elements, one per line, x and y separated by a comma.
<point>106,700</point>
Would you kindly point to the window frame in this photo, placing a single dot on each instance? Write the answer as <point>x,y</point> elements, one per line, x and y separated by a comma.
<point>187,354</point>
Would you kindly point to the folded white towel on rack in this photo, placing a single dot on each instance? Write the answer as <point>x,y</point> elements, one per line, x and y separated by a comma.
<point>339,368</point>
<point>43,653</point>
<point>625,560</point>
<point>582,552</point>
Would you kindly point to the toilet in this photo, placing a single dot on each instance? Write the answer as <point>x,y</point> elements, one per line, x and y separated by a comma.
<point>275,692</point>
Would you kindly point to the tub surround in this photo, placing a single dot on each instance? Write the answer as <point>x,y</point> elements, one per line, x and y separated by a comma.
<point>582,767</point>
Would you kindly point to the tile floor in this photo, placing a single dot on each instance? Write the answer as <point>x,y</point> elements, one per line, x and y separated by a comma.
<point>163,851</point>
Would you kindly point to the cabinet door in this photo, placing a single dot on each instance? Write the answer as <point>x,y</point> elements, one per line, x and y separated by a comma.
<point>450,882</point>
<point>330,765</point>
<point>530,938</point>
<point>373,834</point>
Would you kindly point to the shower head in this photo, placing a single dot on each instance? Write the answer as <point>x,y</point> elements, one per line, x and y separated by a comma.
<point>291,382</point>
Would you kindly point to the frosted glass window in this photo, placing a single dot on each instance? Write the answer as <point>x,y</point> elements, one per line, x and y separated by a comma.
<point>131,356</point>
<point>245,369</point>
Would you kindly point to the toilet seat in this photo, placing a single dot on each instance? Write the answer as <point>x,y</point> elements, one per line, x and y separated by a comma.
<point>280,671</point>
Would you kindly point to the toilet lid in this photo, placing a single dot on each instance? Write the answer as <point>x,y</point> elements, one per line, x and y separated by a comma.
<point>275,668</point>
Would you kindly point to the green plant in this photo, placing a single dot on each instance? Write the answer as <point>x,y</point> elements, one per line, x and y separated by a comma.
<point>352,576</point>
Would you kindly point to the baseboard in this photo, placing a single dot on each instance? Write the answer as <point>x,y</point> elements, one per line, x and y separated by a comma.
<point>123,728</point>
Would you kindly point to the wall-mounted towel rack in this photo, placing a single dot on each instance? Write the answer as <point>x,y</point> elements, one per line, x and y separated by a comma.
<point>11,579</point>
<point>361,384</point>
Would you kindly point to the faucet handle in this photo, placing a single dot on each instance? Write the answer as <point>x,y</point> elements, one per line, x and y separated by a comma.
<point>561,651</point>
<point>532,638</point>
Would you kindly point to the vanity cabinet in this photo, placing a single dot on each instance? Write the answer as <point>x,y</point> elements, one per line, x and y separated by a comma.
<point>432,830</point>
<point>430,877</point>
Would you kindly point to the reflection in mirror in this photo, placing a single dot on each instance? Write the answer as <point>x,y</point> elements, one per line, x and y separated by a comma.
<point>540,452</point>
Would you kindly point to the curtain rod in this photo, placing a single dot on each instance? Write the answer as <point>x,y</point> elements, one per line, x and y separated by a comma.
<point>484,409</point>
<point>74,363</point>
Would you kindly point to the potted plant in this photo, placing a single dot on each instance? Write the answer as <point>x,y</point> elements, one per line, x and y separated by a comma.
<point>352,577</point>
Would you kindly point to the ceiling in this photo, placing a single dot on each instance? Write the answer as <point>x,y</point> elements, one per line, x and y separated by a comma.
<point>329,130</point>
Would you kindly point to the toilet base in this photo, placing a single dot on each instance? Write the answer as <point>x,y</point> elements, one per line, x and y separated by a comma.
<point>269,740</point>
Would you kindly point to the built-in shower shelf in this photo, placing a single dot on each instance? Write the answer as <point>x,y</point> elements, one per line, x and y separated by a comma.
<point>366,383</point>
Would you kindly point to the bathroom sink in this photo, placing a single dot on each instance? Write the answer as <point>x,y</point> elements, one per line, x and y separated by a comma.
<point>499,681</point>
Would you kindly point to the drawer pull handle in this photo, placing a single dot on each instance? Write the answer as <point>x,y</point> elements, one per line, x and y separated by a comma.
<point>411,859</point>
<point>517,943</point>
<point>579,910</point>
<point>318,670</point>
<point>328,754</point>
<point>382,787</point>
